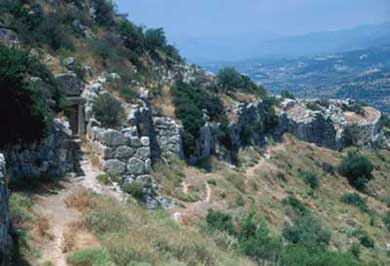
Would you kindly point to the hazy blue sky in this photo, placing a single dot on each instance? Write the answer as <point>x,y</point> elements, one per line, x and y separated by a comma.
<point>202,18</point>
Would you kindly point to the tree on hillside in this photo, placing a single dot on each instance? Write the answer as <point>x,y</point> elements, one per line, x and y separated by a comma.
<point>104,12</point>
<point>229,80</point>
<point>133,36</point>
<point>155,39</point>
<point>25,105</point>
<point>357,169</point>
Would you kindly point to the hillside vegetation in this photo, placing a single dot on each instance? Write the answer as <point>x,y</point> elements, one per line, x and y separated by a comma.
<point>282,203</point>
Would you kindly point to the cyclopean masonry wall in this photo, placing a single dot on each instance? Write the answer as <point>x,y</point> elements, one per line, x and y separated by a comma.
<point>5,227</point>
<point>165,134</point>
<point>169,137</point>
<point>125,155</point>
<point>54,156</point>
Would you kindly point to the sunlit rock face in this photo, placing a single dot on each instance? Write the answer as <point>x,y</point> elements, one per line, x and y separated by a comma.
<point>334,124</point>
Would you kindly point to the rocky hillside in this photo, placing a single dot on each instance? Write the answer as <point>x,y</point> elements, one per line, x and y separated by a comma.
<point>156,162</point>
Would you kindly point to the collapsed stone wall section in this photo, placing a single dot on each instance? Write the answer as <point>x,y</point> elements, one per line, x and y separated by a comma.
<point>327,126</point>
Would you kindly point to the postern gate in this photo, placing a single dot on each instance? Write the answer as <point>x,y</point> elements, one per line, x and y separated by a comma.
<point>72,86</point>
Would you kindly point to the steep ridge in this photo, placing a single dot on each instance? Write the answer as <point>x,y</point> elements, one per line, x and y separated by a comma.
<point>159,134</point>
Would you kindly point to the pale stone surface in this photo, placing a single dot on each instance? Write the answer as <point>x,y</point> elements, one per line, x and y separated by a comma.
<point>124,152</point>
<point>135,142</point>
<point>143,153</point>
<point>135,166</point>
<point>114,167</point>
<point>148,166</point>
<point>111,138</point>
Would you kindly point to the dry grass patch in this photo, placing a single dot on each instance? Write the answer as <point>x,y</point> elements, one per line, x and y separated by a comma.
<point>130,233</point>
<point>42,226</point>
<point>82,200</point>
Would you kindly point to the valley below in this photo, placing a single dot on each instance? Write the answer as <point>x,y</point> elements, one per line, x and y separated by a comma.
<point>362,75</point>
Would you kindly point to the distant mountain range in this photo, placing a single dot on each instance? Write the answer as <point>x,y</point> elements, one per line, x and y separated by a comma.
<point>265,45</point>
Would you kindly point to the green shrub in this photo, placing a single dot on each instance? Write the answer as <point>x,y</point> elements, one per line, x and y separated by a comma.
<point>20,208</point>
<point>355,250</point>
<point>88,257</point>
<point>220,221</point>
<point>260,245</point>
<point>313,106</point>
<point>132,36</point>
<point>386,220</point>
<point>298,255</point>
<point>188,197</point>
<point>24,103</point>
<point>357,169</point>
<point>296,205</point>
<point>108,111</point>
<point>103,178</point>
<point>306,230</point>
<point>355,200</point>
<point>103,49</point>
<point>128,94</point>
<point>189,102</point>
<point>366,240</point>
<point>137,263</point>
<point>37,28</point>
<point>135,189</point>
<point>106,220</point>
<point>229,80</point>
<point>104,12</point>
<point>311,179</point>
<point>286,94</point>
<point>48,263</point>
<point>212,181</point>
<point>155,39</point>
<point>119,248</point>
<point>387,201</point>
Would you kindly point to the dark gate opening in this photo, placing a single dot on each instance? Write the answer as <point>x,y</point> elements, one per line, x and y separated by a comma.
<point>74,119</point>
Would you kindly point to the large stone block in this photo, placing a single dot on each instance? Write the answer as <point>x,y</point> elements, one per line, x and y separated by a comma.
<point>135,142</point>
<point>71,84</point>
<point>114,167</point>
<point>111,138</point>
<point>143,153</point>
<point>124,152</point>
<point>135,166</point>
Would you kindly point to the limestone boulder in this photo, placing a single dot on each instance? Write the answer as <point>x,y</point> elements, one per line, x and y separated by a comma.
<point>114,167</point>
<point>124,152</point>
<point>71,83</point>
<point>143,153</point>
<point>111,138</point>
<point>135,166</point>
